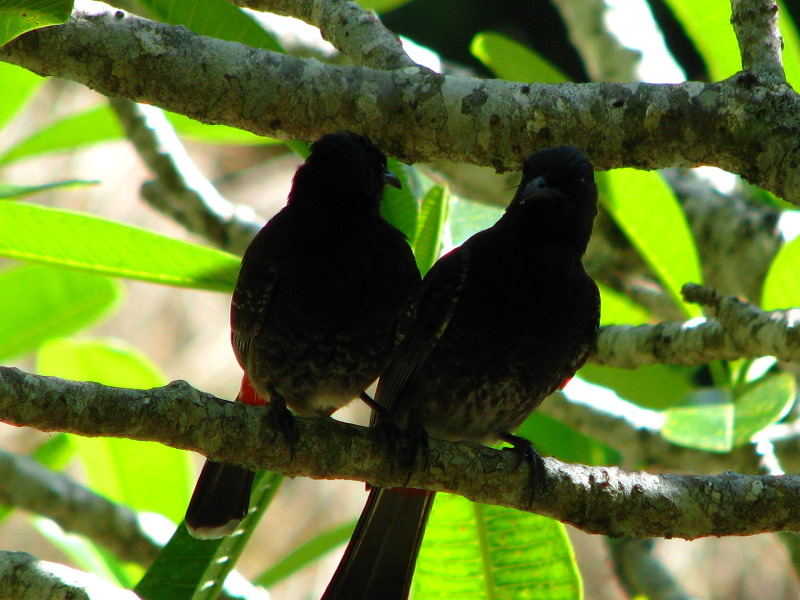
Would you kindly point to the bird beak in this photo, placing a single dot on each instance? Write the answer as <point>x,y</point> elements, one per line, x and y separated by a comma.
<point>391,179</point>
<point>535,186</point>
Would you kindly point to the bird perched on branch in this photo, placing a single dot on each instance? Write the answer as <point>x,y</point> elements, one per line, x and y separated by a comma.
<point>503,321</point>
<point>315,311</point>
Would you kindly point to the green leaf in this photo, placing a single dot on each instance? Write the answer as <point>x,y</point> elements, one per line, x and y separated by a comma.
<point>782,283</point>
<point>305,554</point>
<point>143,475</point>
<point>216,134</point>
<point>618,309</point>
<point>214,18</point>
<point>9,191</point>
<point>381,6</point>
<point>41,303</point>
<point>192,569</point>
<point>706,427</point>
<point>19,16</point>
<point>480,551</point>
<point>762,403</point>
<point>651,386</point>
<point>64,238</point>
<point>791,45</point>
<point>98,124</point>
<point>432,218</point>
<point>19,86</point>
<point>512,61</point>
<point>554,438</point>
<point>648,213</point>
<point>399,206</point>
<point>708,26</point>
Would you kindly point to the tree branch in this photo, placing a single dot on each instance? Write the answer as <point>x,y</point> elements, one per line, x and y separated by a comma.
<point>24,577</point>
<point>180,190</point>
<point>597,500</point>
<point>417,115</point>
<point>352,30</point>
<point>755,23</point>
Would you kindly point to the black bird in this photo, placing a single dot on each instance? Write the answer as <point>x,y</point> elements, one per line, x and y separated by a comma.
<point>503,321</point>
<point>315,311</point>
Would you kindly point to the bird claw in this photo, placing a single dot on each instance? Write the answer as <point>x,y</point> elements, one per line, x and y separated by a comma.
<point>537,484</point>
<point>280,417</point>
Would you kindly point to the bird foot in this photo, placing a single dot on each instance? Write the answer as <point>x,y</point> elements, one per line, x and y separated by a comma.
<point>280,417</point>
<point>537,484</point>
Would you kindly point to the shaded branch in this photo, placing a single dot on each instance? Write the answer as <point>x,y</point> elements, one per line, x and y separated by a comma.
<point>180,190</point>
<point>28,485</point>
<point>595,499</point>
<point>461,119</point>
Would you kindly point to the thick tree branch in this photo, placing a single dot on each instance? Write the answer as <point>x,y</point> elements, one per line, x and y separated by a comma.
<point>736,124</point>
<point>597,500</point>
<point>352,30</point>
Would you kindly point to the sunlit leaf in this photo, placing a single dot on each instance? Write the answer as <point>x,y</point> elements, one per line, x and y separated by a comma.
<point>98,124</point>
<point>10,191</point>
<point>80,241</point>
<point>762,403</point>
<point>432,218</point>
<point>42,303</point>
<point>19,86</point>
<point>19,16</point>
<point>782,283</point>
<point>480,551</point>
<point>510,60</point>
<point>647,211</point>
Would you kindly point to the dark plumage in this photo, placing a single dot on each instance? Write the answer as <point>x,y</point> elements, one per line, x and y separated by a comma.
<point>503,321</point>
<point>315,311</point>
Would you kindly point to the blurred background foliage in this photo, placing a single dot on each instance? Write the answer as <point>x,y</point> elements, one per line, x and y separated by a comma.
<point>97,285</point>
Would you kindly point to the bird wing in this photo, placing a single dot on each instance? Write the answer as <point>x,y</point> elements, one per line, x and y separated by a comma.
<point>441,290</point>
<point>258,278</point>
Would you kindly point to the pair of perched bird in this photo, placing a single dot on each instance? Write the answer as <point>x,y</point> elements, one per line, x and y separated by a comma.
<point>329,297</point>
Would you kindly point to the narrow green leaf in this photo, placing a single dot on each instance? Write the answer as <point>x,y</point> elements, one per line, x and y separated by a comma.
<point>69,239</point>
<point>19,86</point>
<point>305,554</point>
<point>19,16</point>
<point>41,303</point>
<point>382,6</point>
<point>9,191</point>
<point>432,218</point>
<point>192,569</point>
<point>782,284</point>
<point>399,206</point>
<point>214,18</point>
<point>791,45</point>
<point>510,60</point>
<point>480,551</point>
<point>708,26</point>
<point>761,403</point>
<point>98,124</point>
<point>705,427</point>
<point>143,475</point>
<point>648,213</point>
